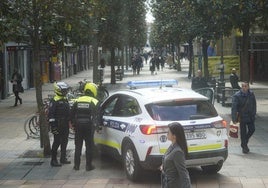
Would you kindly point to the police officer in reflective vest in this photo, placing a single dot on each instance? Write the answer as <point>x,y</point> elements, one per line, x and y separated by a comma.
<point>59,116</point>
<point>83,113</point>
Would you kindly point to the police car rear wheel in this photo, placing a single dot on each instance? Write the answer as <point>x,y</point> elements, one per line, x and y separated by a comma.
<point>131,162</point>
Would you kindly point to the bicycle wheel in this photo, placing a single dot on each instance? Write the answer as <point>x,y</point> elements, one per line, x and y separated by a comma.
<point>29,127</point>
<point>34,126</point>
<point>102,93</point>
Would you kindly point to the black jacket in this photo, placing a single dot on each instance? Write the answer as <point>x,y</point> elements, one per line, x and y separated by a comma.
<point>244,105</point>
<point>199,82</point>
<point>234,81</point>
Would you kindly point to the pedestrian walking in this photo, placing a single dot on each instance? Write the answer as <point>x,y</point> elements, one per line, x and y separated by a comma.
<point>199,81</point>
<point>134,65</point>
<point>83,113</point>
<point>152,64</point>
<point>139,63</point>
<point>234,79</point>
<point>146,56</point>
<point>157,63</point>
<point>173,170</point>
<point>59,116</point>
<point>244,111</point>
<point>162,62</point>
<point>16,80</point>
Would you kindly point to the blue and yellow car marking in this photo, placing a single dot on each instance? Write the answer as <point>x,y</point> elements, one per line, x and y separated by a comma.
<point>129,128</point>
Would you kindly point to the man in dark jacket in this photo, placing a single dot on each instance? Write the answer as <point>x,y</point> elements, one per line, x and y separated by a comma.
<point>199,81</point>
<point>234,79</point>
<point>244,110</point>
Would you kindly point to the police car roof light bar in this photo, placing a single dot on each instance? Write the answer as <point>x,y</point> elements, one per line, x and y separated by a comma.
<point>152,83</point>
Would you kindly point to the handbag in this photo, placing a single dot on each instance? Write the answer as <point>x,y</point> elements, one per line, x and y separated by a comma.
<point>21,89</point>
<point>233,130</point>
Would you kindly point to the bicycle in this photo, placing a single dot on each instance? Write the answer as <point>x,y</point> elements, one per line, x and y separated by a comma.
<point>32,123</point>
<point>102,91</point>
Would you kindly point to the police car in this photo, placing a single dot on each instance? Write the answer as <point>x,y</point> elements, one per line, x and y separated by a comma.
<point>134,126</point>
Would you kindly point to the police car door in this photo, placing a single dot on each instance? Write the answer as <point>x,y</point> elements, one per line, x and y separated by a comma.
<point>116,121</point>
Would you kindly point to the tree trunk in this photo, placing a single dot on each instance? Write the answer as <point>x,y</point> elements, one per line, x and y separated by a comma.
<point>190,58</point>
<point>35,40</point>
<point>127,57</point>
<point>44,137</point>
<point>245,54</point>
<point>205,45</point>
<point>113,81</point>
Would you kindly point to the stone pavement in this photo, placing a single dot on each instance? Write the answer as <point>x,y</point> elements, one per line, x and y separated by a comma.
<point>22,164</point>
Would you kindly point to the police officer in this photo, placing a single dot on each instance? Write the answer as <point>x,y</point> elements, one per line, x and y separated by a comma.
<point>59,116</point>
<point>83,112</point>
<point>199,81</point>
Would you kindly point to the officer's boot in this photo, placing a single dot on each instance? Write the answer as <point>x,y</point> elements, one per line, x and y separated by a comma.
<point>63,159</point>
<point>89,165</point>
<point>54,162</point>
<point>77,161</point>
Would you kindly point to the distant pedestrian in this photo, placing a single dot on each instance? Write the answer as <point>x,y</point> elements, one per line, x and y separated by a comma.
<point>244,110</point>
<point>145,55</point>
<point>199,81</point>
<point>134,65</point>
<point>157,63</point>
<point>59,116</point>
<point>152,64</point>
<point>16,81</point>
<point>211,49</point>
<point>234,79</point>
<point>83,113</point>
<point>162,62</point>
<point>169,61</point>
<point>102,63</point>
<point>139,63</point>
<point>174,173</point>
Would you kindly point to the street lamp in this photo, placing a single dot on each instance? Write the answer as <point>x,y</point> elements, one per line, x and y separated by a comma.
<point>95,56</point>
<point>222,64</point>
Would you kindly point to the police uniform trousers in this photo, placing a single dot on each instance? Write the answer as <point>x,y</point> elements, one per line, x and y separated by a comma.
<point>84,132</point>
<point>61,139</point>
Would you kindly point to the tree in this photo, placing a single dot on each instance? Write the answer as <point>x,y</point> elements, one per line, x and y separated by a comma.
<point>38,23</point>
<point>210,20</point>
<point>246,15</point>
<point>124,25</point>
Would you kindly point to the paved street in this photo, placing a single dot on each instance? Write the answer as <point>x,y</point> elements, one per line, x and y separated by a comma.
<point>22,164</point>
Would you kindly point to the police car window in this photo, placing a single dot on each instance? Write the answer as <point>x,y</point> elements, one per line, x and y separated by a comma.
<point>178,111</point>
<point>127,106</point>
<point>109,106</point>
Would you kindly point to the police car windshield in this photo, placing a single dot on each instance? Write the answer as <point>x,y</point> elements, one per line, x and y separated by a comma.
<point>181,110</point>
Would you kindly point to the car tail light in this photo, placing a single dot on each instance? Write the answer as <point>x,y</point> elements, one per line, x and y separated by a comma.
<point>148,129</point>
<point>152,129</point>
<point>220,124</point>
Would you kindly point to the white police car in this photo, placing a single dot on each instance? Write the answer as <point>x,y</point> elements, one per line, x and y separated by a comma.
<point>134,127</point>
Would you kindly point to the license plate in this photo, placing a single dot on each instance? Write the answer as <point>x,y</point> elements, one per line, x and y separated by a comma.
<point>195,135</point>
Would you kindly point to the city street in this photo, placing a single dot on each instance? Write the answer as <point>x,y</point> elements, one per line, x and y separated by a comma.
<point>22,164</point>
